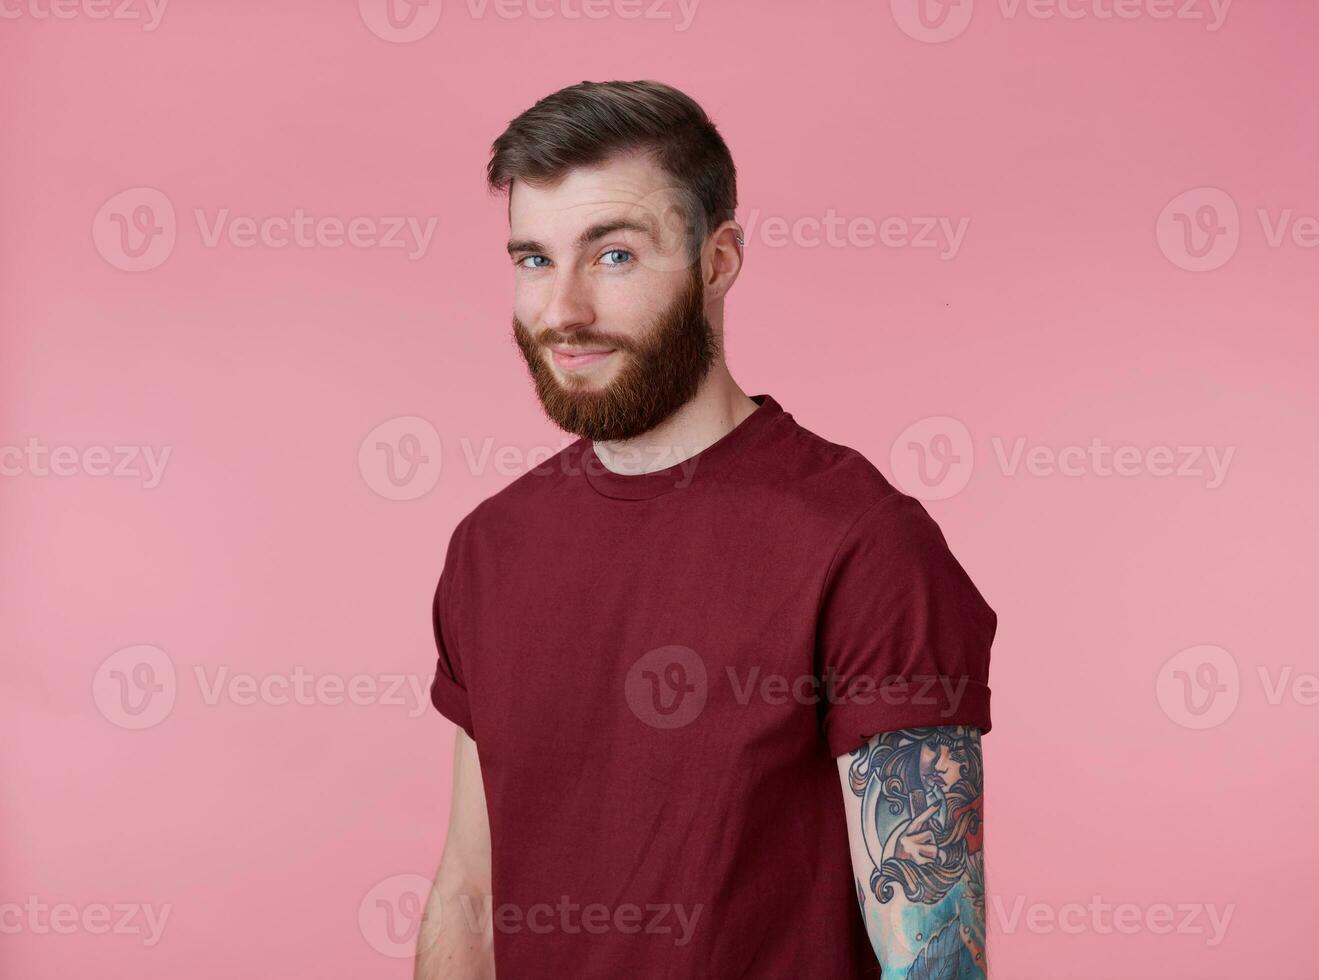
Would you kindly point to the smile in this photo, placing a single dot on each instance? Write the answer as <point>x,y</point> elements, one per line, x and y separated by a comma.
<point>576,358</point>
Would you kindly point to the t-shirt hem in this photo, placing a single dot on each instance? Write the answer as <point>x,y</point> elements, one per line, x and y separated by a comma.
<point>850,726</point>
<point>450,700</point>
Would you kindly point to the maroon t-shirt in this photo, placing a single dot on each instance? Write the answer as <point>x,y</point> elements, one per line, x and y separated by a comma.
<point>658,671</point>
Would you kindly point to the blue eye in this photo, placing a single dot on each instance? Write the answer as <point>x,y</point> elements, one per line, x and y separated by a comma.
<point>532,258</point>
<point>617,251</point>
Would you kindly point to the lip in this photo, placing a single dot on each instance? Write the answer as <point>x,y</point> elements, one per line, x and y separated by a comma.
<point>575,358</point>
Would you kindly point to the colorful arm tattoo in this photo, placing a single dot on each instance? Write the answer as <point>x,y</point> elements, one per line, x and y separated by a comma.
<point>914,816</point>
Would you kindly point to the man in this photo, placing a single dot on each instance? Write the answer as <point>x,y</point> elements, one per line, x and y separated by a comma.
<point>717,681</point>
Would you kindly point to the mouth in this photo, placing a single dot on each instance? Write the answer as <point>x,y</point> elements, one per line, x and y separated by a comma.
<point>577,358</point>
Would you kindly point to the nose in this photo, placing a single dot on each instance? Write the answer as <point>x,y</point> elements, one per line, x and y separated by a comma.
<point>569,307</point>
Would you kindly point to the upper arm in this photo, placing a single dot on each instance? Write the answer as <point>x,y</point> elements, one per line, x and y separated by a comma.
<point>899,615</point>
<point>913,800</point>
<point>467,846</point>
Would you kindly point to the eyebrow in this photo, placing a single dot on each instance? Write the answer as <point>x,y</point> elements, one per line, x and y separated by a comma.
<point>591,234</point>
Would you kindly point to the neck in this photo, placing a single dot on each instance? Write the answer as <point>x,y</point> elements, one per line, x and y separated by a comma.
<point>717,408</point>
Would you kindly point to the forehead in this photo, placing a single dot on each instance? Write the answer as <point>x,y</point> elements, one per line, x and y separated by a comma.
<point>629,186</point>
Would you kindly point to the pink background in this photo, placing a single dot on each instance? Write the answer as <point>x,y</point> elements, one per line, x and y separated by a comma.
<point>283,835</point>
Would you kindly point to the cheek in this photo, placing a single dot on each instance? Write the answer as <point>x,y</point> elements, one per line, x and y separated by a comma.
<point>632,309</point>
<point>527,304</point>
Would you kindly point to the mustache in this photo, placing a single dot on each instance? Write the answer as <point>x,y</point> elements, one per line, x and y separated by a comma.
<point>584,337</point>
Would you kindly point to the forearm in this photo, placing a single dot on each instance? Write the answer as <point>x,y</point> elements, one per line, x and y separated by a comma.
<point>915,827</point>
<point>946,943</point>
<point>456,938</point>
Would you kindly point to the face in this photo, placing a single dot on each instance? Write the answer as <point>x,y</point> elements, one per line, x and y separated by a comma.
<point>609,308</point>
<point>939,765</point>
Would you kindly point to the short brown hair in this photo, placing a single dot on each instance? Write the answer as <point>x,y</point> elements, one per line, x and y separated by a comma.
<point>585,124</point>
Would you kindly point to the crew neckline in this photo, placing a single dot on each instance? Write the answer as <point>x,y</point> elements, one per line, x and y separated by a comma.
<point>640,486</point>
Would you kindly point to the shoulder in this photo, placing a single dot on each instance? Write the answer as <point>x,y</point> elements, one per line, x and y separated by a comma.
<point>841,500</point>
<point>834,484</point>
<point>529,493</point>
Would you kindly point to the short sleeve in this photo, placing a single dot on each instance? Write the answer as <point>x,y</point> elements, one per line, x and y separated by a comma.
<point>903,634</point>
<point>449,689</point>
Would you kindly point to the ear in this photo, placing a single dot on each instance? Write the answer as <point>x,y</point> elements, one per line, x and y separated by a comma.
<point>722,260</point>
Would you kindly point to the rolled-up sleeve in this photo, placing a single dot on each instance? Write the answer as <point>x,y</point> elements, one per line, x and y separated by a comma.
<point>903,634</point>
<point>449,689</point>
